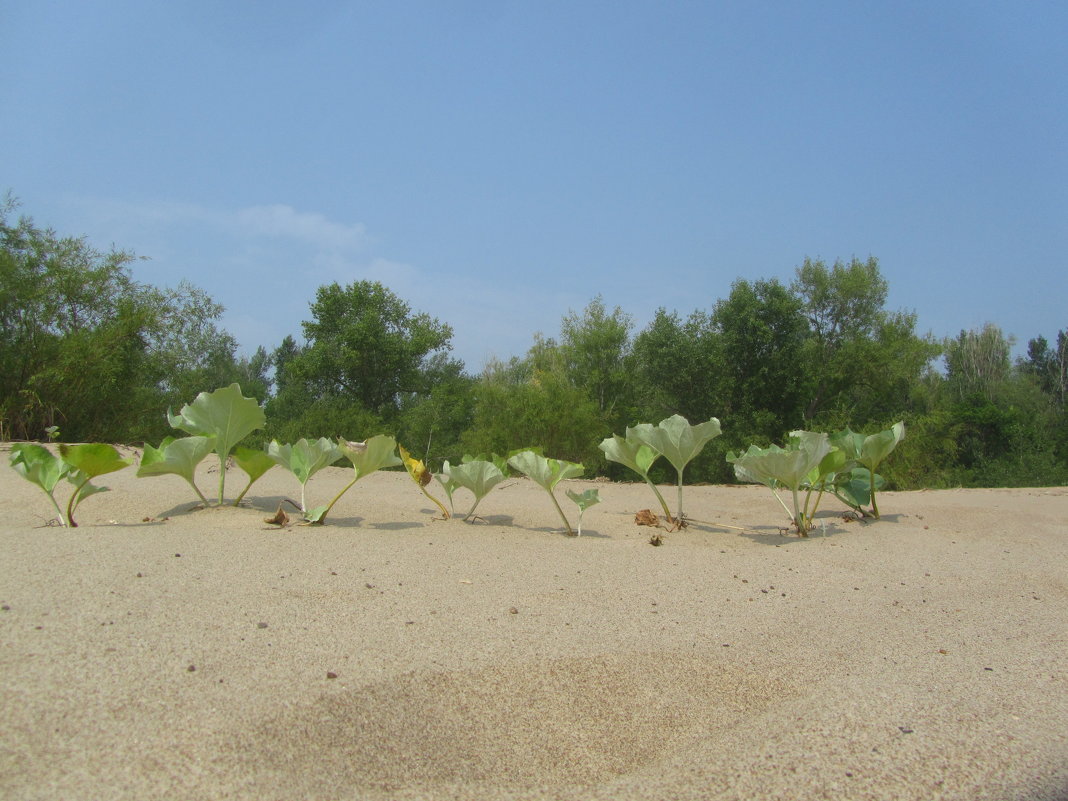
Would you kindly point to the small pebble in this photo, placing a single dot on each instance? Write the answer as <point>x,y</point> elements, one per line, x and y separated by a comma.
<point>261,625</point>
<point>331,674</point>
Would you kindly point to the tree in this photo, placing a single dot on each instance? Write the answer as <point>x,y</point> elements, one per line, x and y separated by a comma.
<point>86,348</point>
<point>596,350</point>
<point>977,362</point>
<point>364,349</point>
<point>762,335</point>
<point>1049,366</point>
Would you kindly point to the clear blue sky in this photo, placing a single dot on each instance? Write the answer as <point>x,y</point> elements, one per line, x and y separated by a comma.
<point>499,163</point>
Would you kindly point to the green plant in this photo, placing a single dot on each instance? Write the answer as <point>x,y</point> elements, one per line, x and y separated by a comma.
<point>177,456</point>
<point>636,455</point>
<point>870,452</point>
<point>78,464</point>
<point>583,500</point>
<point>547,473</point>
<point>479,476</point>
<point>678,442</point>
<point>304,459</point>
<point>801,464</point>
<point>255,463</point>
<point>226,415</point>
<point>366,457</point>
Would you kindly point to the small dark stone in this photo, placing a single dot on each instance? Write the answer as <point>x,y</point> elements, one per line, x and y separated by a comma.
<point>331,674</point>
<point>192,668</point>
<point>261,625</point>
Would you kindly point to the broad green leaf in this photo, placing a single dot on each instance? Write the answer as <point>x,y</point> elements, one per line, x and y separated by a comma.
<point>478,476</point>
<point>677,441</point>
<point>224,414</point>
<point>38,465</point>
<point>547,473</point>
<point>373,454</point>
<point>583,500</point>
<point>304,459</point>
<point>176,456</point>
<point>631,453</point>
<point>854,487</point>
<point>870,451</point>
<point>255,463</point>
<point>94,459</point>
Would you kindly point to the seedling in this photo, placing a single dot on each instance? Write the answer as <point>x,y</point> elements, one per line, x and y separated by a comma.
<point>678,442</point>
<point>547,473</point>
<point>789,467</point>
<point>377,452</point>
<point>78,464</point>
<point>255,463</point>
<point>177,456</point>
<point>479,476</point>
<point>869,452</point>
<point>584,500</point>
<point>224,414</point>
<point>421,476</point>
<point>304,459</point>
<point>638,457</point>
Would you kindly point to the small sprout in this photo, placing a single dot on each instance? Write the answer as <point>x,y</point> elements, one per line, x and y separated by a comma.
<point>478,476</point>
<point>377,452</point>
<point>547,473</point>
<point>304,459</point>
<point>584,500</point>
<point>177,456</point>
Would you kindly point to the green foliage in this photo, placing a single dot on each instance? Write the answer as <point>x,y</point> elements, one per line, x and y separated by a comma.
<point>78,464</point>
<point>547,473</point>
<point>225,415</point>
<point>677,441</point>
<point>178,457</point>
<point>366,457</point>
<point>422,476</point>
<point>304,459</point>
<point>790,467</point>
<point>254,463</point>
<point>478,476</point>
<point>583,500</point>
<point>870,451</point>
<point>639,457</point>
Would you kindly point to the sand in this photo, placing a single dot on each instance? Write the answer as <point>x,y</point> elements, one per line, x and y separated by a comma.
<point>164,651</point>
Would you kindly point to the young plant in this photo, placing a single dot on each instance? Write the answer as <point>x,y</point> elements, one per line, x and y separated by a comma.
<point>638,457</point>
<point>678,442</point>
<point>870,452</point>
<point>853,488</point>
<point>547,473</point>
<point>304,459</point>
<point>224,414</point>
<point>421,476</point>
<point>177,456</point>
<point>255,463</point>
<point>78,464</point>
<point>478,476</point>
<point>583,500</point>
<point>789,467</point>
<point>377,452</point>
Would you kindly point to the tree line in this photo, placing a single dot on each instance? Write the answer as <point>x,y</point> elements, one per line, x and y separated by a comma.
<point>89,354</point>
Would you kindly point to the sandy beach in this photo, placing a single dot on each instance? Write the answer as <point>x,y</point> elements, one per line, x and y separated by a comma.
<point>166,651</point>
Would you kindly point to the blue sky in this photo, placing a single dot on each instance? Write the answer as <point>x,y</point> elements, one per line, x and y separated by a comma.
<point>498,163</point>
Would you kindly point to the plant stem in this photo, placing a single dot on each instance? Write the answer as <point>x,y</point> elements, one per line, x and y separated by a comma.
<point>330,506</point>
<point>563,517</point>
<point>200,494</point>
<point>659,497</point>
<point>59,512</point>
<point>799,516</point>
<point>874,505</point>
<point>679,516</point>
<point>71,504</point>
<point>222,477</point>
<point>441,506</point>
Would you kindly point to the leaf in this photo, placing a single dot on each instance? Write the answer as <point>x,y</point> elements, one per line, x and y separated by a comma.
<point>674,438</point>
<point>224,414</point>
<point>375,453</point>
<point>255,463</point>
<point>478,476</point>
<point>546,472</point>
<point>416,469</point>
<point>631,453</point>
<point>94,459</point>
<point>177,456</point>
<point>304,458</point>
<point>584,500</point>
<point>38,465</point>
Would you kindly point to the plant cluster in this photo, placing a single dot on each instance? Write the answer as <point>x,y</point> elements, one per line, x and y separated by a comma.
<point>810,464</point>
